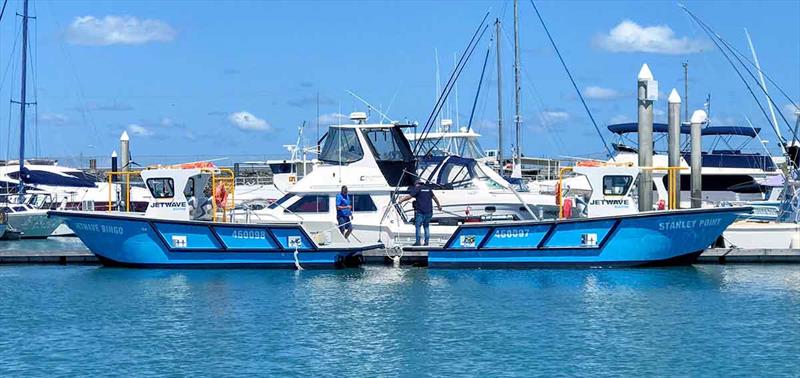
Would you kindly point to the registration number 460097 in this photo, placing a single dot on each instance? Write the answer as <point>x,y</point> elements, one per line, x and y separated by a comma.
<point>511,233</point>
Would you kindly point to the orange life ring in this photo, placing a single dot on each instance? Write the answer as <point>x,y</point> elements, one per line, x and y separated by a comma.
<point>220,195</point>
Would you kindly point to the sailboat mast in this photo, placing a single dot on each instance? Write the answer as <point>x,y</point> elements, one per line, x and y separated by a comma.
<point>517,120</point>
<point>499,98</point>
<point>22,104</point>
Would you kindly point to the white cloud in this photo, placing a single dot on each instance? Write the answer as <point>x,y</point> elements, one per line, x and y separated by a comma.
<point>557,116</point>
<point>600,93</point>
<point>139,130</point>
<point>247,121</point>
<point>629,36</point>
<point>790,110</point>
<point>333,119</point>
<point>117,30</point>
<point>53,118</point>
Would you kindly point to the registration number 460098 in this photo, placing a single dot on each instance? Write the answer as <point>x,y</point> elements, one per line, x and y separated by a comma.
<point>249,234</point>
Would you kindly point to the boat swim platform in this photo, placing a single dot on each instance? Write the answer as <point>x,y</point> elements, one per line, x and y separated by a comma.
<point>411,257</point>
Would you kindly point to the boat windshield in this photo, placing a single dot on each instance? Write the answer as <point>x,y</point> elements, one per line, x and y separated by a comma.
<point>341,147</point>
<point>467,147</point>
<point>388,144</point>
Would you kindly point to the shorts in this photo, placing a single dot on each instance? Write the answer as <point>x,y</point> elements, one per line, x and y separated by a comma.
<point>344,223</point>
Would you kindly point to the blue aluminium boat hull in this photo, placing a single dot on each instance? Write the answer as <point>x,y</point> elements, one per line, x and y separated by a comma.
<point>651,238</point>
<point>135,241</point>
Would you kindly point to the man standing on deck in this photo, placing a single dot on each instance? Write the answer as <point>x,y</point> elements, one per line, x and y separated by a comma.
<point>344,213</point>
<point>423,208</point>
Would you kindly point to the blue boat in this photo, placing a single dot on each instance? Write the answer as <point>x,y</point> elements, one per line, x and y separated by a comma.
<point>197,226</point>
<point>648,238</point>
<point>136,241</point>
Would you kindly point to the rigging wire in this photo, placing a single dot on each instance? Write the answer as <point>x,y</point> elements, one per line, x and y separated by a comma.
<point>553,138</point>
<point>740,58</point>
<point>571,79</point>
<point>440,102</point>
<point>456,75</point>
<point>480,84</point>
<point>716,39</point>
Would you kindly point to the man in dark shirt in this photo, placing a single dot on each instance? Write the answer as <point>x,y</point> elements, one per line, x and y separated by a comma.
<point>344,213</point>
<point>423,208</point>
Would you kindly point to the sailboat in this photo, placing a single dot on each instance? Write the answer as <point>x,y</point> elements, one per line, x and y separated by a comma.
<point>28,221</point>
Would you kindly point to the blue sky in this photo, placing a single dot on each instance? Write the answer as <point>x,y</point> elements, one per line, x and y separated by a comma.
<point>236,79</point>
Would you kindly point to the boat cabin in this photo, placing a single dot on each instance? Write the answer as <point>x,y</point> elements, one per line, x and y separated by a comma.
<point>370,145</point>
<point>613,189</point>
<point>188,193</point>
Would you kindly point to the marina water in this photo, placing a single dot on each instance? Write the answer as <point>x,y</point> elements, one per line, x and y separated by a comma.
<point>703,319</point>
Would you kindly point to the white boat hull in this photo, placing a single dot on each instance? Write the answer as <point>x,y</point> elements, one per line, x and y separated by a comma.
<point>33,223</point>
<point>766,235</point>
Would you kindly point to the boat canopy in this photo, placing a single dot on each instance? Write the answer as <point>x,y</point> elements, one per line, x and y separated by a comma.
<point>76,179</point>
<point>632,127</point>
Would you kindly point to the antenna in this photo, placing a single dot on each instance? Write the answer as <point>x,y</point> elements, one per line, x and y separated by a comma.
<point>685,91</point>
<point>369,106</point>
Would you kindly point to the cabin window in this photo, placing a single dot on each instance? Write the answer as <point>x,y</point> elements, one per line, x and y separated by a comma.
<point>456,176</point>
<point>19,209</point>
<point>616,185</point>
<point>161,187</point>
<point>280,201</point>
<point>310,204</point>
<point>341,146</point>
<point>188,191</point>
<point>388,144</point>
<point>363,202</point>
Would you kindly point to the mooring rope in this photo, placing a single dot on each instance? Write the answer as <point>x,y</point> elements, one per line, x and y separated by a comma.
<point>297,260</point>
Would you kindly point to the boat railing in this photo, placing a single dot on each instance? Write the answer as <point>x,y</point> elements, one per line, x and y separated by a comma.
<point>223,182</point>
<point>673,181</point>
<point>126,176</point>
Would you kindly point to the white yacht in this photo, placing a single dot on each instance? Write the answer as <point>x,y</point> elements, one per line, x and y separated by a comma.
<point>69,188</point>
<point>376,163</point>
<point>728,170</point>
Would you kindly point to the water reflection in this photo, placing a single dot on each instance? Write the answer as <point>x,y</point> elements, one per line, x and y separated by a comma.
<point>400,321</point>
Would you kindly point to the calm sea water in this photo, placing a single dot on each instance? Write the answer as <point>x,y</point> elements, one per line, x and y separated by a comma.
<point>702,320</point>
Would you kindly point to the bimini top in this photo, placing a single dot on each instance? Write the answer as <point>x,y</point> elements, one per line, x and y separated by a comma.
<point>632,127</point>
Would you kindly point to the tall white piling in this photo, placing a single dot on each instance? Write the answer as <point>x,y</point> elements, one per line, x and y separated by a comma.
<point>699,117</point>
<point>674,147</point>
<point>647,94</point>
<point>124,148</point>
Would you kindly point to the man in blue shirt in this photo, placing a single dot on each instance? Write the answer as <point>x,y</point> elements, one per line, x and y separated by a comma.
<point>423,208</point>
<point>344,213</point>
